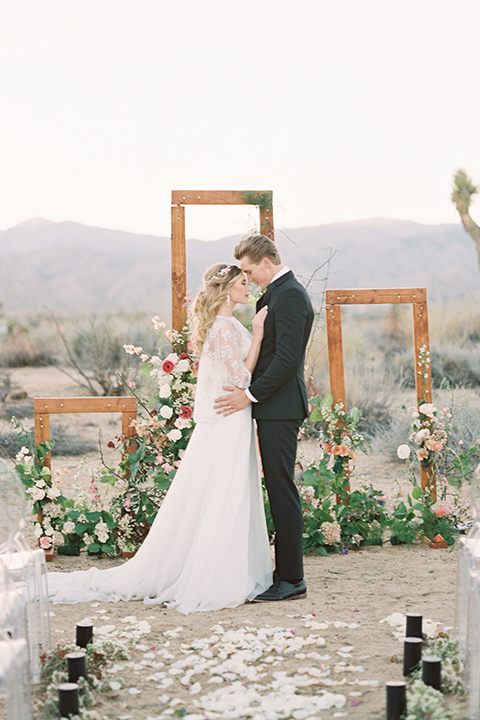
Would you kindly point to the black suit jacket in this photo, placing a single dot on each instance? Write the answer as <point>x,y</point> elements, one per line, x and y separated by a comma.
<point>278,381</point>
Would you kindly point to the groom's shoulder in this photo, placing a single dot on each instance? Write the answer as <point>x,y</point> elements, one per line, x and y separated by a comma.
<point>291,284</point>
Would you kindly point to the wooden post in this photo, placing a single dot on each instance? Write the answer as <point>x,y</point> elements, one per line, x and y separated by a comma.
<point>179,267</point>
<point>335,353</point>
<point>266,223</point>
<point>423,380</point>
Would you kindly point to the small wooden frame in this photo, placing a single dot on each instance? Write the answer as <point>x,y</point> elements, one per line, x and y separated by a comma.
<point>417,297</point>
<point>180,198</point>
<point>44,407</point>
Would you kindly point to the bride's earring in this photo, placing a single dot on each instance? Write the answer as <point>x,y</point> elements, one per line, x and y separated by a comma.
<point>229,302</point>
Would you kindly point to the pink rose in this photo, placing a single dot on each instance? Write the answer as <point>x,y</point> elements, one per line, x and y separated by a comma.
<point>45,543</point>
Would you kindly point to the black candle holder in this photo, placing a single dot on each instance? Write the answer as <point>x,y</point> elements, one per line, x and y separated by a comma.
<point>412,654</point>
<point>68,699</point>
<point>76,666</point>
<point>414,625</point>
<point>396,699</point>
<point>84,633</point>
<point>432,671</point>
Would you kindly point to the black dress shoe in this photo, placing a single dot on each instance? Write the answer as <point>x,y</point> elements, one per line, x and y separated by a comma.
<point>283,590</point>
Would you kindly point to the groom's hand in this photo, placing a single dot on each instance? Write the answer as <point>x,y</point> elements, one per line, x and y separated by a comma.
<point>233,402</point>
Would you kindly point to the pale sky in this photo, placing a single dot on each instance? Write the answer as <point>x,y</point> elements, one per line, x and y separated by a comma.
<point>346,109</point>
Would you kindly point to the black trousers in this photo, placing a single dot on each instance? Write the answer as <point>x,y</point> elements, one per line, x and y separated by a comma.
<point>278,449</point>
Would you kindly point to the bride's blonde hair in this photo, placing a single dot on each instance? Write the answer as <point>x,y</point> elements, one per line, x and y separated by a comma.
<point>217,281</point>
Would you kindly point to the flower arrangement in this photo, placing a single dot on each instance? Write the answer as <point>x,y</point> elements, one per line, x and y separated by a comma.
<point>163,430</point>
<point>333,517</point>
<point>426,702</point>
<point>100,654</point>
<point>338,433</point>
<point>46,498</point>
<point>86,523</point>
<point>360,518</point>
<point>450,466</point>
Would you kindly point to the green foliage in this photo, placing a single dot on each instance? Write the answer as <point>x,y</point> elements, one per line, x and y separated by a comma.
<point>426,703</point>
<point>463,189</point>
<point>262,200</point>
<point>100,654</point>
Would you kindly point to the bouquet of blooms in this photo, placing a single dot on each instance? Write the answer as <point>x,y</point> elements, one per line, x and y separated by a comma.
<point>166,427</point>
<point>86,523</point>
<point>338,434</point>
<point>46,498</point>
<point>163,428</point>
<point>429,432</point>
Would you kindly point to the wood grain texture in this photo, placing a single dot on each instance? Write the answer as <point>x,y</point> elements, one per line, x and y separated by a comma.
<point>266,223</point>
<point>378,296</point>
<point>179,268</point>
<point>213,197</point>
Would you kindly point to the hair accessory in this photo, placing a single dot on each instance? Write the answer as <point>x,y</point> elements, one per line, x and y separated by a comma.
<point>220,274</point>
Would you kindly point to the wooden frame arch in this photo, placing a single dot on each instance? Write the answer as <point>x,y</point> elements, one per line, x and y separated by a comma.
<point>417,297</point>
<point>180,198</point>
<point>44,407</point>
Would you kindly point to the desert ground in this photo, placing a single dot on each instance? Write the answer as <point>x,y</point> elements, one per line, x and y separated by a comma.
<point>333,645</point>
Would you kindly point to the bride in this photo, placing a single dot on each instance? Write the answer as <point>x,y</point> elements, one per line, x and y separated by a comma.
<point>208,546</point>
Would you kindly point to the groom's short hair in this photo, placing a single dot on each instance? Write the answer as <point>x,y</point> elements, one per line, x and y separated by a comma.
<point>257,247</point>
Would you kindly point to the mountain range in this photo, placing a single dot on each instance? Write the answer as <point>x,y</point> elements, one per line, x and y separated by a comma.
<point>70,268</point>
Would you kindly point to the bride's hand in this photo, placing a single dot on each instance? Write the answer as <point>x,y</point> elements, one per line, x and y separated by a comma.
<point>258,323</point>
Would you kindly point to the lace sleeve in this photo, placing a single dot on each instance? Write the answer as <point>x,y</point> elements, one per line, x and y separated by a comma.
<point>228,348</point>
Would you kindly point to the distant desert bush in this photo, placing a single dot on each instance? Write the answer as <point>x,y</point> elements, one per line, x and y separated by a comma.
<point>25,351</point>
<point>95,348</point>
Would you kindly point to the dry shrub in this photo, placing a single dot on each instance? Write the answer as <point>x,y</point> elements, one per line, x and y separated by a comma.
<point>459,365</point>
<point>25,351</point>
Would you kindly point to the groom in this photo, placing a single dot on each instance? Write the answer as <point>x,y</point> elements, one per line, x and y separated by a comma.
<point>279,402</point>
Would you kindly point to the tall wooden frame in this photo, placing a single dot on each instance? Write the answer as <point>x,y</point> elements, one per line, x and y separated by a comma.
<point>180,198</point>
<point>44,407</point>
<point>417,297</point>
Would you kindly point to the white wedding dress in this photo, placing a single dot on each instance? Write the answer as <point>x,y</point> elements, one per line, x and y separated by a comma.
<point>208,546</point>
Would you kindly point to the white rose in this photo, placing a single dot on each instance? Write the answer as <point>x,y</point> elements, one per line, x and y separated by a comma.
<point>427,409</point>
<point>182,423</point>
<point>403,452</point>
<point>53,492</point>
<point>40,483</point>
<point>173,357</point>
<point>166,412</point>
<point>164,391</point>
<point>183,365</point>
<point>38,530</point>
<point>68,528</point>
<point>37,494</point>
<point>422,435</point>
<point>101,529</point>
<point>174,435</point>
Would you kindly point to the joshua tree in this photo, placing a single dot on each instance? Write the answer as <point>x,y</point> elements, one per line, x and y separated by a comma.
<point>463,189</point>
